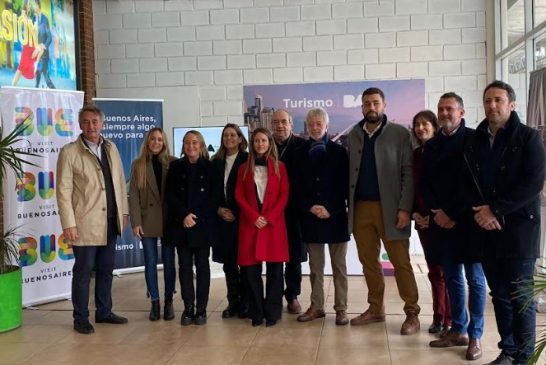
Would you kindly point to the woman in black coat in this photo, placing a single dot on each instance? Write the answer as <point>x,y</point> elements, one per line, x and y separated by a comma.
<point>190,214</point>
<point>225,164</point>
<point>322,191</point>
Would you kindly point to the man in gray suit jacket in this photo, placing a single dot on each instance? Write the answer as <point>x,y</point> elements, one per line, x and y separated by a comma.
<point>380,203</point>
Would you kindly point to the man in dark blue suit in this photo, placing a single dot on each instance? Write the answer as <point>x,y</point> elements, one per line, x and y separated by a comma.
<point>505,164</point>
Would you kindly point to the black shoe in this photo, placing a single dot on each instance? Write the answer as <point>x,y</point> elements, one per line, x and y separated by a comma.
<point>168,310</point>
<point>257,322</point>
<point>502,359</point>
<point>243,312</point>
<point>188,316</point>
<point>83,327</point>
<point>112,319</point>
<point>230,312</point>
<point>201,318</point>
<point>270,322</point>
<point>154,312</point>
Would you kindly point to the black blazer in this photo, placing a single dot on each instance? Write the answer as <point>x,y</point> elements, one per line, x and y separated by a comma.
<point>443,165</point>
<point>323,181</point>
<point>224,245</point>
<point>188,191</point>
<point>513,195</point>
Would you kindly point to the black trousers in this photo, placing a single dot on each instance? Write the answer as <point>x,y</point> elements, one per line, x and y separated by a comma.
<point>270,306</point>
<point>102,259</point>
<point>292,277</point>
<point>237,286</point>
<point>187,257</point>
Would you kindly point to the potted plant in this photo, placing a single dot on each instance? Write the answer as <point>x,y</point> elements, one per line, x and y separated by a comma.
<point>11,159</point>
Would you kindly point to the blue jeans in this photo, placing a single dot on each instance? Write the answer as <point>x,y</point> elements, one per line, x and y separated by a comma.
<point>149,245</point>
<point>511,281</point>
<point>456,287</point>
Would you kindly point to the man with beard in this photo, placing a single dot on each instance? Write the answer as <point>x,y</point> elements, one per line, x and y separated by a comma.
<point>380,202</point>
<point>287,144</point>
<point>505,161</point>
<point>443,164</point>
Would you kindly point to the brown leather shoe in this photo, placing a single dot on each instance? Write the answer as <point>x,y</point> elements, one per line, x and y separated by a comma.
<point>450,339</point>
<point>311,314</point>
<point>294,306</point>
<point>474,350</point>
<point>411,325</point>
<point>341,318</point>
<point>366,318</point>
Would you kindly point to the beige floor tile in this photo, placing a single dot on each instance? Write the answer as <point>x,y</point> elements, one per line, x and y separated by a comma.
<point>19,352</point>
<point>353,356</point>
<point>202,355</point>
<point>35,334</point>
<point>272,355</point>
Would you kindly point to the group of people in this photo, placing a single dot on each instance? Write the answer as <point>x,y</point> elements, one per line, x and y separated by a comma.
<point>473,194</point>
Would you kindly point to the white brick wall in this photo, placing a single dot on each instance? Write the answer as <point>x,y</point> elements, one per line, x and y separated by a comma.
<point>217,46</point>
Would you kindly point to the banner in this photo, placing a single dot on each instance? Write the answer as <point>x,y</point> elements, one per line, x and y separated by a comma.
<point>342,101</point>
<point>29,200</point>
<point>37,44</point>
<point>126,123</point>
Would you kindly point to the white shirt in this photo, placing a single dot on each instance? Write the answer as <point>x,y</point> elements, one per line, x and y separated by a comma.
<point>230,160</point>
<point>260,179</point>
<point>94,147</point>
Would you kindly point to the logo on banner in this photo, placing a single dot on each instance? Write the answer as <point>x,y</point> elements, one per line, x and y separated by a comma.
<point>351,101</point>
<point>25,185</point>
<point>45,120</point>
<point>48,249</point>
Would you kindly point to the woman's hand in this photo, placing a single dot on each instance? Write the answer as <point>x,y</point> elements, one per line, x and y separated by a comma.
<point>137,231</point>
<point>261,222</point>
<point>189,221</point>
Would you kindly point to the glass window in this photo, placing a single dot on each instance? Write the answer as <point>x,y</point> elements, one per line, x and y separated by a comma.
<point>515,21</point>
<point>517,77</point>
<point>540,52</point>
<point>539,11</point>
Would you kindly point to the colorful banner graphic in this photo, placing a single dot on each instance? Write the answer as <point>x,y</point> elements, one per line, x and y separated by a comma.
<point>126,123</point>
<point>342,101</point>
<point>37,44</point>
<point>29,200</point>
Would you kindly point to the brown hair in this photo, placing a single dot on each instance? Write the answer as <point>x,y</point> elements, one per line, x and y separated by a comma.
<point>203,153</point>
<point>271,153</point>
<point>139,166</point>
<point>222,151</point>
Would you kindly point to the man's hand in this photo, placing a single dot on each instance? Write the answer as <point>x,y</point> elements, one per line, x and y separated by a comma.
<point>442,219</point>
<point>71,233</point>
<point>485,218</point>
<point>402,219</point>
<point>226,214</point>
<point>320,211</point>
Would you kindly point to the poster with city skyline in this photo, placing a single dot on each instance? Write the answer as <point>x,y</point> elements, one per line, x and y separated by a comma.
<point>342,101</point>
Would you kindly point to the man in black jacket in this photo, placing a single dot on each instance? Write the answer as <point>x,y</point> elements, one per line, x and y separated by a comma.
<point>287,144</point>
<point>442,164</point>
<point>505,165</point>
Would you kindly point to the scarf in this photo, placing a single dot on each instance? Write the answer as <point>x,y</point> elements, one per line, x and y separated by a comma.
<point>318,147</point>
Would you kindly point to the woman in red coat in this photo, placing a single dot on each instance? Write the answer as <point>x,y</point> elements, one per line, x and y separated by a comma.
<point>262,194</point>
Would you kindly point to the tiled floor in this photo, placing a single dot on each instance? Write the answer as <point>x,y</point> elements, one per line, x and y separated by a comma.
<point>46,336</point>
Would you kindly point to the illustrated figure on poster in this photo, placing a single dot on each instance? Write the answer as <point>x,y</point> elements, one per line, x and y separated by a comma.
<point>29,54</point>
<point>44,40</point>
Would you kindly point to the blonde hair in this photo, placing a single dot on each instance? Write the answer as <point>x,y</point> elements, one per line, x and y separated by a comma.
<point>222,151</point>
<point>271,153</point>
<point>203,152</point>
<point>145,156</point>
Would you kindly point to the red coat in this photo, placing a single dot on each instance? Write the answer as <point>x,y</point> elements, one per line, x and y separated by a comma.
<point>269,244</point>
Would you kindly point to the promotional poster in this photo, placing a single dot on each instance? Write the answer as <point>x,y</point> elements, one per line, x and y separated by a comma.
<point>30,204</point>
<point>37,44</point>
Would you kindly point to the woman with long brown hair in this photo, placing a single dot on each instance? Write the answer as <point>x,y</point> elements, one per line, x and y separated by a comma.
<point>262,194</point>
<point>225,164</point>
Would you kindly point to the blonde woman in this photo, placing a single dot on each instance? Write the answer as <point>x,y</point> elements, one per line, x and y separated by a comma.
<point>191,213</point>
<point>148,213</point>
<point>262,195</point>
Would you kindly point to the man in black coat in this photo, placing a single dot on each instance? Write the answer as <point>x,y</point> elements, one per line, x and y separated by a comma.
<point>442,164</point>
<point>287,145</point>
<point>505,175</point>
